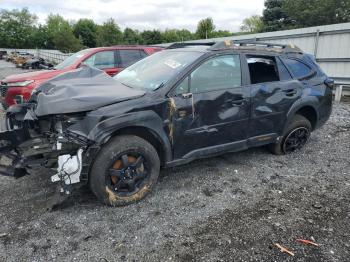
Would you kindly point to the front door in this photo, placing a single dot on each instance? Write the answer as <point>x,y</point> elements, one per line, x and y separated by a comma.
<point>211,108</point>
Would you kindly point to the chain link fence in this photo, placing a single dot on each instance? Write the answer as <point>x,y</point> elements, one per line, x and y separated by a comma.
<point>53,56</point>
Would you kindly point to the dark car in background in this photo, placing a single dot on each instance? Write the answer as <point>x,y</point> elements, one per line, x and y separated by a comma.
<point>168,109</point>
<point>3,54</point>
<point>36,63</point>
<point>18,88</point>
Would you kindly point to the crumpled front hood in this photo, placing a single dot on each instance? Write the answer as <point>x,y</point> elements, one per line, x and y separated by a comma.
<point>84,89</point>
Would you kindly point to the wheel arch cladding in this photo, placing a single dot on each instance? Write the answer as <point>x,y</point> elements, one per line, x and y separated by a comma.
<point>310,114</point>
<point>306,107</point>
<point>145,124</point>
<point>148,135</point>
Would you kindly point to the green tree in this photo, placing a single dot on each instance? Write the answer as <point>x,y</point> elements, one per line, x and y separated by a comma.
<point>16,28</point>
<point>86,31</point>
<point>171,35</point>
<point>39,37</point>
<point>221,33</point>
<point>205,28</point>
<point>60,35</point>
<point>109,34</point>
<point>176,35</point>
<point>253,24</point>
<point>305,13</point>
<point>151,37</point>
<point>275,17</point>
<point>131,37</point>
<point>185,35</point>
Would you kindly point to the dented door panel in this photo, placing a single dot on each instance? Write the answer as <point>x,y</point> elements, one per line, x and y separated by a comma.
<point>210,118</point>
<point>270,104</point>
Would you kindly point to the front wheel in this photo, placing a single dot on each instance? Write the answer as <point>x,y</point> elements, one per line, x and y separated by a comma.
<point>125,170</point>
<point>294,138</point>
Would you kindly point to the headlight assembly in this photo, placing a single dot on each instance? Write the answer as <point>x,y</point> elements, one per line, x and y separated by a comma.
<point>22,83</point>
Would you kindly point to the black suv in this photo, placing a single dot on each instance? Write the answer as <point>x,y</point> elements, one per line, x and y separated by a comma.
<point>187,102</point>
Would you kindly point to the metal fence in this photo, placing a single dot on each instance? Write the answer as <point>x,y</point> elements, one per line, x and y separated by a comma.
<point>53,56</point>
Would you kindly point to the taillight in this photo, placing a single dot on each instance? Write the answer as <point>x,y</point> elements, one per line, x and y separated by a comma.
<point>330,83</point>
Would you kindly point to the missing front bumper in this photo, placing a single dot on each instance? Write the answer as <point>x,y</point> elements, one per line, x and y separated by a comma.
<point>11,164</point>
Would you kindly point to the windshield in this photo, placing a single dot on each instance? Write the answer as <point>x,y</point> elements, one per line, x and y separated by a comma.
<point>72,59</point>
<point>155,70</point>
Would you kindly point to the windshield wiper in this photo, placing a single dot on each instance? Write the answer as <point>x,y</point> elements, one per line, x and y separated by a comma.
<point>160,86</point>
<point>127,85</point>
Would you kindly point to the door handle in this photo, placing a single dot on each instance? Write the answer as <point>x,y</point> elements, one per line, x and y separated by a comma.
<point>208,130</point>
<point>238,102</point>
<point>290,92</point>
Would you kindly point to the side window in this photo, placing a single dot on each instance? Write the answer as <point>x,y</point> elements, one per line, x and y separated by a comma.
<point>221,72</point>
<point>101,60</point>
<point>128,57</point>
<point>262,69</point>
<point>183,87</point>
<point>297,68</point>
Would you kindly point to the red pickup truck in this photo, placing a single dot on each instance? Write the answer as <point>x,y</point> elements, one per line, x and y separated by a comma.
<point>112,60</point>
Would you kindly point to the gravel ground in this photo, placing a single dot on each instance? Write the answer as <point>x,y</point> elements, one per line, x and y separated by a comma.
<point>228,208</point>
<point>7,68</point>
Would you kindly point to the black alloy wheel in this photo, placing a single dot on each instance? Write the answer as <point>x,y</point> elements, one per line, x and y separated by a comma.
<point>125,170</point>
<point>127,174</point>
<point>296,139</point>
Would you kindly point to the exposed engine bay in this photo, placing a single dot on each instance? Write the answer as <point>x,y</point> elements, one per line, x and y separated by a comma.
<point>42,142</point>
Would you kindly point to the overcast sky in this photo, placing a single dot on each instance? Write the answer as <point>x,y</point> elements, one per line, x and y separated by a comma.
<point>146,14</point>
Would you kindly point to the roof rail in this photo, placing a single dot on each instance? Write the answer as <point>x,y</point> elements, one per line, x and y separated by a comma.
<point>187,44</point>
<point>288,48</point>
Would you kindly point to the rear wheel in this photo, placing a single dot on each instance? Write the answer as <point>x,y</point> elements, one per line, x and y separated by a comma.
<point>125,170</point>
<point>294,138</point>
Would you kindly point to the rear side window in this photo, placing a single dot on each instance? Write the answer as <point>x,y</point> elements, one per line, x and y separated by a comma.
<point>262,69</point>
<point>128,57</point>
<point>102,60</point>
<point>298,68</point>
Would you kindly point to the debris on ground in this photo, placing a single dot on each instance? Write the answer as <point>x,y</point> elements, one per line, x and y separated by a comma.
<point>284,250</point>
<point>307,242</point>
<point>3,235</point>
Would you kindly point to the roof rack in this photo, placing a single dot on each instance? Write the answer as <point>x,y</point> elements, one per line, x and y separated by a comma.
<point>289,48</point>
<point>187,44</point>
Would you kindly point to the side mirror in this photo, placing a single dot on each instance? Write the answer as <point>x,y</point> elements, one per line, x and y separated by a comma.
<point>186,95</point>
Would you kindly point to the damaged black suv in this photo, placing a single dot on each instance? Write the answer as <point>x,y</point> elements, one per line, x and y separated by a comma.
<point>181,104</point>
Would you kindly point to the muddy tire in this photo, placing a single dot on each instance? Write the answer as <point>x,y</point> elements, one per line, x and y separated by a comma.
<point>125,171</point>
<point>294,138</point>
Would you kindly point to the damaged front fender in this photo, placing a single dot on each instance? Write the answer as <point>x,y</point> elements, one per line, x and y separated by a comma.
<point>103,130</point>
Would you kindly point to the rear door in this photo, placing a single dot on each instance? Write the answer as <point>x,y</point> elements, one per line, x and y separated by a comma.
<point>211,108</point>
<point>104,60</point>
<point>128,57</point>
<point>273,92</point>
